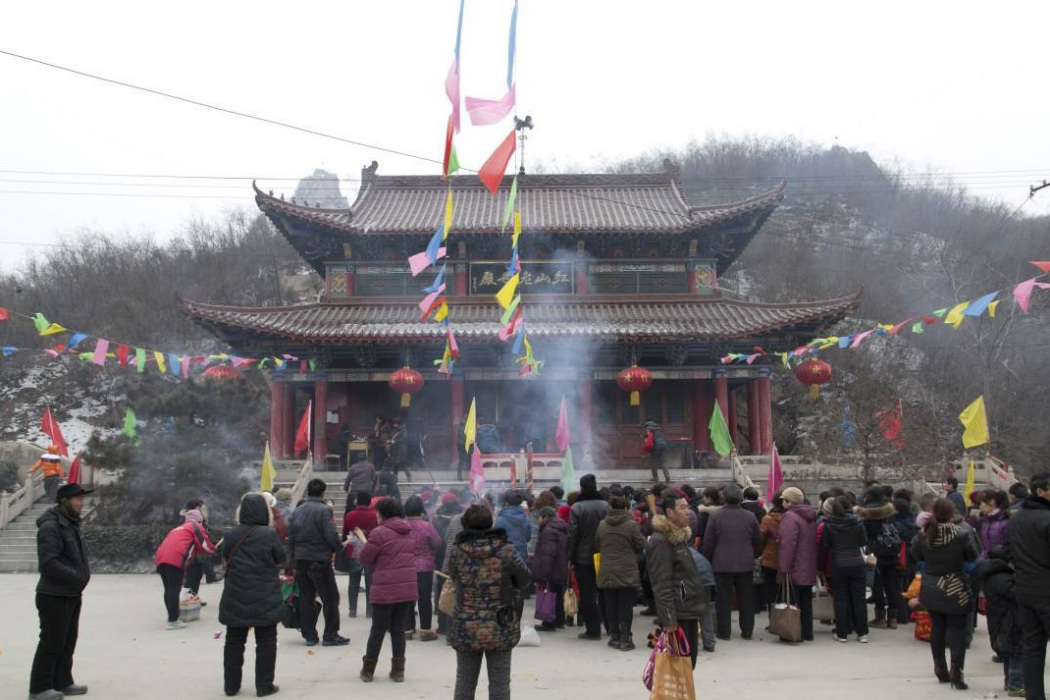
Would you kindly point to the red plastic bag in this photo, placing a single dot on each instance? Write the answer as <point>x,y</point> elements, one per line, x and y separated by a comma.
<point>647,446</point>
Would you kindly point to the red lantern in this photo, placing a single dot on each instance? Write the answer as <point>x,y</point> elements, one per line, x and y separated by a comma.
<point>634,379</point>
<point>406,381</point>
<point>221,373</point>
<point>813,372</point>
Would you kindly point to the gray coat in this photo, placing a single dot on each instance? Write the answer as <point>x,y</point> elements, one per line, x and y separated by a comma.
<point>619,541</point>
<point>732,540</point>
<point>311,534</point>
<point>678,590</point>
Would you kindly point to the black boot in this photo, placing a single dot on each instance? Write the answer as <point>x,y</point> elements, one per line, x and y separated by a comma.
<point>265,662</point>
<point>956,678</point>
<point>614,641</point>
<point>626,641</point>
<point>940,669</point>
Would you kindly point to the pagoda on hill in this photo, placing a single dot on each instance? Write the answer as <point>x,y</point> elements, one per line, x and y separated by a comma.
<point>617,270</point>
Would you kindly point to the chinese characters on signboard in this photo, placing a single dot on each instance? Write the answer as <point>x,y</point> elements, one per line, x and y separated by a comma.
<point>536,277</point>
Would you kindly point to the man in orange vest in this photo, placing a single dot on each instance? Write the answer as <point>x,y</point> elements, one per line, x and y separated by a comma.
<point>51,464</point>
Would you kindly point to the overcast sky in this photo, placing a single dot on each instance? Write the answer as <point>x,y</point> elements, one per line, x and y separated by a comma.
<point>951,87</point>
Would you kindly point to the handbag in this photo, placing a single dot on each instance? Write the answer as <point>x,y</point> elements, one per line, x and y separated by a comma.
<point>447,598</point>
<point>343,559</point>
<point>572,603</point>
<point>823,603</point>
<point>786,619</point>
<point>672,677</point>
<point>290,612</point>
<point>546,605</point>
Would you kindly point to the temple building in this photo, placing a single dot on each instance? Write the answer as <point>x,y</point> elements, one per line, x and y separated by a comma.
<point>617,270</point>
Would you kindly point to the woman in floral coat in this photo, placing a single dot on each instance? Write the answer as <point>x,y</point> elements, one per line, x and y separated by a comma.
<point>489,575</point>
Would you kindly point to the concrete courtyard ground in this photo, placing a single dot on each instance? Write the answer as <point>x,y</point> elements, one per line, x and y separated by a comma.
<point>125,653</point>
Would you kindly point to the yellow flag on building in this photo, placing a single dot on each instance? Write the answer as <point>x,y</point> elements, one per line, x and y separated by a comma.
<point>268,472</point>
<point>470,429</point>
<point>975,424</point>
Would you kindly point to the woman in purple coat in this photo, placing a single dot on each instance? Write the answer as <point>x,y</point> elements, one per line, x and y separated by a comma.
<point>994,521</point>
<point>391,552</point>
<point>428,543</point>
<point>798,554</point>
<point>550,564</point>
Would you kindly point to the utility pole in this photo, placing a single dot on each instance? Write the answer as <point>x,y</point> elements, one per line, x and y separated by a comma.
<point>1032,189</point>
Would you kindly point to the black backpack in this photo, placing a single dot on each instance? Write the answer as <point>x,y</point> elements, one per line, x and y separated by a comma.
<point>888,542</point>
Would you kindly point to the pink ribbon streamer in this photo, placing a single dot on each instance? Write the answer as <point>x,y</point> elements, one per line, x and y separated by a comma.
<point>488,112</point>
<point>419,262</point>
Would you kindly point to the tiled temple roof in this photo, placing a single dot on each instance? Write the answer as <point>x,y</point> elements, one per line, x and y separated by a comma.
<point>651,318</point>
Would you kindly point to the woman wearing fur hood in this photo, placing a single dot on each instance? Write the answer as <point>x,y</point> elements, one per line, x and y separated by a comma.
<point>680,595</point>
<point>877,515</point>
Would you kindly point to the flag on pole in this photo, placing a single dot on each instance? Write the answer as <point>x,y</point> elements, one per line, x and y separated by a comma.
<point>561,435</point>
<point>975,424</point>
<point>130,426</point>
<point>568,472</point>
<point>268,472</point>
<point>477,474</point>
<point>720,438</point>
<point>74,471</point>
<point>302,435</point>
<point>51,429</point>
<point>891,423</point>
<point>971,481</point>
<point>776,474</point>
<point>470,427</point>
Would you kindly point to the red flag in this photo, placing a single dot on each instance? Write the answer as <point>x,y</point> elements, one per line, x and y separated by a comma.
<point>492,171</point>
<point>4,314</point>
<point>561,434</point>
<point>776,474</point>
<point>1044,266</point>
<point>51,429</point>
<point>892,425</point>
<point>448,147</point>
<point>302,435</point>
<point>74,471</point>
<point>122,355</point>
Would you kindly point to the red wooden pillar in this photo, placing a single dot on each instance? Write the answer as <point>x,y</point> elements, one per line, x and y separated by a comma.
<point>722,392</point>
<point>732,417</point>
<point>702,404</point>
<point>319,418</point>
<point>277,398</point>
<point>287,449</point>
<point>580,281</point>
<point>459,279</point>
<point>584,429</point>
<point>456,414</point>
<point>765,408</point>
<point>754,419</point>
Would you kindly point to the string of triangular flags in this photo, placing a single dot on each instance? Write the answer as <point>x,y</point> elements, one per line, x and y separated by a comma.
<point>176,364</point>
<point>953,316</point>
<point>483,113</point>
<point>434,306</point>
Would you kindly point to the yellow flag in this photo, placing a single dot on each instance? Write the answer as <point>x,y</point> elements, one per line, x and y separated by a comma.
<point>53,329</point>
<point>441,314</point>
<point>448,213</point>
<point>506,294</point>
<point>971,481</point>
<point>992,307</point>
<point>268,472</point>
<point>161,365</point>
<point>975,422</point>
<point>517,229</point>
<point>955,316</point>
<point>470,429</point>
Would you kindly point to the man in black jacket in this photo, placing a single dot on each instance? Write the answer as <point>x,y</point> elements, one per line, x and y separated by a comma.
<point>1029,540</point>
<point>586,514</point>
<point>64,573</point>
<point>312,540</point>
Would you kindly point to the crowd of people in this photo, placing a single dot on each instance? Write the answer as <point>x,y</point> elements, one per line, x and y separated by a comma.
<point>689,559</point>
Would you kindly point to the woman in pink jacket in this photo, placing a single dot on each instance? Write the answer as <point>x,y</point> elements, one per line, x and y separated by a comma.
<point>179,548</point>
<point>391,552</point>
<point>428,543</point>
<point>797,555</point>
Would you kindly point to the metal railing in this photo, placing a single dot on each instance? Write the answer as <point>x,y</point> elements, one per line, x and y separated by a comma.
<point>14,504</point>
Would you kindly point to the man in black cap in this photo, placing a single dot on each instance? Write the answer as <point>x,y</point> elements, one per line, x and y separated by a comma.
<point>64,574</point>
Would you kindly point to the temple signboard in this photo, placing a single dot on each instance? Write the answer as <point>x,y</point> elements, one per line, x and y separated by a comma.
<point>536,277</point>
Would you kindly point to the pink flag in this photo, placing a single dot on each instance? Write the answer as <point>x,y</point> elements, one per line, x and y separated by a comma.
<point>101,347</point>
<point>561,435</point>
<point>776,474</point>
<point>491,173</point>
<point>859,338</point>
<point>74,471</point>
<point>1023,292</point>
<point>420,261</point>
<point>452,90</point>
<point>513,327</point>
<point>487,112</point>
<point>477,474</point>
<point>453,346</point>
<point>185,365</point>
<point>429,299</point>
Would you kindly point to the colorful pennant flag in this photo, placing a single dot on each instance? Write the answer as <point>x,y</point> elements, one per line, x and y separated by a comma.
<point>971,481</point>
<point>130,424</point>
<point>719,431</point>
<point>477,473</point>
<point>488,112</point>
<point>470,426</point>
<point>5,314</point>
<point>979,306</point>
<point>562,436</point>
<point>776,474</point>
<point>491,173</point>
<point>101,349</point>
<point>268,471</point>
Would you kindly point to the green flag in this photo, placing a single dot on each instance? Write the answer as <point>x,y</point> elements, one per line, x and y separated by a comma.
<point>568,472</point>
<point>719,432</point>
<point>453,162</point>
<point>130,427</point>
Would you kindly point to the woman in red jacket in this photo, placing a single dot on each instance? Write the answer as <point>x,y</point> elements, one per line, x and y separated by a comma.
<point>390,551</point>
<point>180,546</point>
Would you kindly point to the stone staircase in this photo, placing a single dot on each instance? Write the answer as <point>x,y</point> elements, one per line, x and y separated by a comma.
<point>18,540</point>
